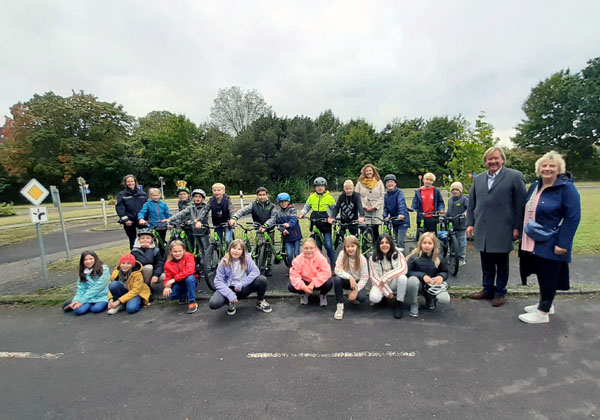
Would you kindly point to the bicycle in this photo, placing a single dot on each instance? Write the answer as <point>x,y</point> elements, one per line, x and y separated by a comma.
<point>421,227</point>
<point>178,233</point>
<point>388,226</point>
<point>365,237</point>
<point>263,244</point>
<point>216,250</point>
<point>449,242</point>
<point>318,236</point>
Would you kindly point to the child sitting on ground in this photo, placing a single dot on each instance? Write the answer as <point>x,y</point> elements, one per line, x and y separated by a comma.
<point>148,255</point>
<point>351,273</point>
<point>180,276</point>
<point>310,271</point>
<point>127,287</point>
<point>92,287</point>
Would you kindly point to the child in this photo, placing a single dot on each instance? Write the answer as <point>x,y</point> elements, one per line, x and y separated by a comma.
<point>395,206</point>
<point>197,215</point>
<point>221,209</point>
<point>320,202</point>
<point>92,287</point>
<point>388,268</point>
<point>180,278</point>
<point>290,232</point>
<point>425,266</point>
<point>238,277</point>
<point>427,200</point>
<point>457,205</point>
<point>155,213</point>
<point>150,258</point>
<point>351,273</point>
<point>183,193</point>
<point>127,287</point>
<point>310,271</point>
<point>350,208</point>
<point>261,210</point>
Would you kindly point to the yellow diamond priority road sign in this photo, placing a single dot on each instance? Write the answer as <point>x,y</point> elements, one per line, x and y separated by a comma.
<point>34,192</point>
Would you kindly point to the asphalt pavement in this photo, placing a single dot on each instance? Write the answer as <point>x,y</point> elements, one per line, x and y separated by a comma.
<point>464,361</point>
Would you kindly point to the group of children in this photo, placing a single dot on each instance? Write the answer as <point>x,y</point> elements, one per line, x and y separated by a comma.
<point>397,278</point>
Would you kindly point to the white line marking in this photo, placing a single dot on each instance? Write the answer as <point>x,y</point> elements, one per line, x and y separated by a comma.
<point>340,355</point>
<point>29,355</point>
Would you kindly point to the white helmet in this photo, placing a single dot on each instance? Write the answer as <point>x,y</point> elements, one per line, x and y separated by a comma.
<point>436,289</point>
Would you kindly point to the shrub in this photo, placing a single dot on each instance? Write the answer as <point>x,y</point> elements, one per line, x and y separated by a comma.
<point>7,209</point>
<point>297,188</point>
<point>110,199</point>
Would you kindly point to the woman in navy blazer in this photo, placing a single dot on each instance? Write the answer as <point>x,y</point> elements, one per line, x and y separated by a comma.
<point>553,202</point>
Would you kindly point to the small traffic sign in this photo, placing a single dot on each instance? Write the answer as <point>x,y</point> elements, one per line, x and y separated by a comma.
<point>35,192</point>
<point>38,214</point>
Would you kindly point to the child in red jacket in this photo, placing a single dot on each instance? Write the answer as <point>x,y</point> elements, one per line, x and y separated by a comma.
<point>180,276</point>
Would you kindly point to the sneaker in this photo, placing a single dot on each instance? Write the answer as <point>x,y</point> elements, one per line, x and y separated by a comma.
<point>533,308</point>
<point>264,306</point>
<point>268,272</point>
<point>398,309</point>
<point>114,310</point>
<point>322,300</point>
<point>414,310</point>
<point>304,299</point>
<point>182,301</point>
<point>339,311</point>
<point>192,307</point>
<point>462,262</point>
<point>534,317</point>
<point>231,309</point>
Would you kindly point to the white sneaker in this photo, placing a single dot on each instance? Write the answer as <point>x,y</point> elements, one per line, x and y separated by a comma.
<point>414,310</point>
<point>462,262</point>
<point>339,312</point>
<point>533,308</point>
<point>534,317</point>
<point>322,300</point>
<point>114,310</point>
<point>304,299</point>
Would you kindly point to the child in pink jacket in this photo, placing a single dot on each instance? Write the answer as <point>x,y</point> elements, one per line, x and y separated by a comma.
<point>310,271</point>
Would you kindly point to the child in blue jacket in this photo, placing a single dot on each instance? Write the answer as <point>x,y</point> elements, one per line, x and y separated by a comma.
<point>92,287</point>
<point>395,206</point>
<point>155,213</point>
<point>291,233</point>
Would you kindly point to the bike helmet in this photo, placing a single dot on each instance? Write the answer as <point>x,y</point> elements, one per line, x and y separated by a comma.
<point>180,189</point>
<point>320,181</point>
<point>283,197</point>
<point>443,235</point>
<point>436,289</point>
<point>390,177</point>
<point>145,231</point>
<point>199,191</point>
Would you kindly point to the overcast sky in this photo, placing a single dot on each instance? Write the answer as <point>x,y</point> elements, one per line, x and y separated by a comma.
<point>376,60</point>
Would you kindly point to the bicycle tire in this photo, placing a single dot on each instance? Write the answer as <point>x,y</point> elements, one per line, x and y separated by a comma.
<point>211,262</point>
<point>262,258</point>
<point>452,256</point>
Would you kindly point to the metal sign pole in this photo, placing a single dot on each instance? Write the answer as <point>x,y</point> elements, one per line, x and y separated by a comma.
<point>103,201</point>
<point>241,199</point>
<point>42,254</point>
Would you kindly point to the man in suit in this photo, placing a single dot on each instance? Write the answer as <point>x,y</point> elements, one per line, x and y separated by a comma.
<point>494,218</point>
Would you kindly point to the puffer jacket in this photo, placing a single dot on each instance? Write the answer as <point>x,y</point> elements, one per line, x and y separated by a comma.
<point>135,285</point>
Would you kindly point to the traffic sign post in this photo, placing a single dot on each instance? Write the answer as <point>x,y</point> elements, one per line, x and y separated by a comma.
<point>56,200</point>
<point>81,182</point>
<point>36,193</point>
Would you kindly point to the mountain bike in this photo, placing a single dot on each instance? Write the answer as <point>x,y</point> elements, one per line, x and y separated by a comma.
<point>449,242</point>
<point>365,237</point>
<point>318,236</point>
<point>178,233</point>
<point>264,246</point>
<point>216,250</point>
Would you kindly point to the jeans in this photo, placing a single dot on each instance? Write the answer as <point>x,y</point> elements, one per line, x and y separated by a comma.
<point>339,284</point>
<point>494,266</point>
<point>118,289</point>
<point>228,233</point>
<point>400,234</point>
<point>184,289</point>
<point>292,249</point>
<point>328,247</point>
<point>461,235</point>
<point>323,289</point>
<point>402,286</point>
<point>95,307</point>
<point>259,285</point>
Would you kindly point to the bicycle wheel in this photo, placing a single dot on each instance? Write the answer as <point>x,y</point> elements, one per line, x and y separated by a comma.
<point>262,258</point>
<point>211,262</point>
<point>453,255</point>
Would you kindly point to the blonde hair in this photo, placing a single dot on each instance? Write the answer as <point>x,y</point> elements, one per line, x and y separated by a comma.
<point>309,241</point>
<point>347,183</point>
<point>554,157</point>
<point>418,251</point>
<point>351,240</point>
<point>173,245</point>
<point>362,172</point>
<point>153,191</point>
<point>228,260</point>
<point>494,149</point>
<point>429,175</point>
<point>218,185</point>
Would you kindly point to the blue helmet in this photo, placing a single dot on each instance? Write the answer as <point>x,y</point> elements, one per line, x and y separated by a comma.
<point>283,197</point>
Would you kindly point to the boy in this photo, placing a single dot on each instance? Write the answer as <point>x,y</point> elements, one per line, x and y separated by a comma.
<point>197,215</point>
<point>457,205</point>
<point>349,206</point>
<point>320,202</point>
<point>155,213</point>
<point>395,206</point>
<point>261,210</point>
<point>183,193</point>
<point>221,209</point>
<point>426,201</point>
<point>286,215</point>
<point>148,255</point>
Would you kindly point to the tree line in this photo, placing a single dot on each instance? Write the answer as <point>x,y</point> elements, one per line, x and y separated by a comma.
<point>246,144</point>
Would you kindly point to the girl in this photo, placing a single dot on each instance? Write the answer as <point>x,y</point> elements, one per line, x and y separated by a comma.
<point>351,273</point>
<point>425,267</point>
<point>180,276</point>
<point>127,287</point>
<point>237,277</point>
<point>155,213</point>
<point>372,192</point>
<point>388,269</point>
<point>92,287</point>
<point>310,271</point>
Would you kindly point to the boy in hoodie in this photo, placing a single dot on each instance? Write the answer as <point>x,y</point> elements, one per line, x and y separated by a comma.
<point>149,256</point>
<point>291,233</point>
<point>221,209</point>
<point>349,206</point>
<point>261,210</point>
<point>127,287</point>
<point>196,214</point>
<point>395,207</point>
<point>319,203</point>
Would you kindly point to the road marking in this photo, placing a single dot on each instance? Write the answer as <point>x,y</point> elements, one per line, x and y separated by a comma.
<point>29,355</point>
<point>338,355</point>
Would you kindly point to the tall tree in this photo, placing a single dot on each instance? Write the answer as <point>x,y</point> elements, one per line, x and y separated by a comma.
<point>234,110</point>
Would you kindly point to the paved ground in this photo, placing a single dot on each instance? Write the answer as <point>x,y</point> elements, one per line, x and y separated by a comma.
<point>466,361</point>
